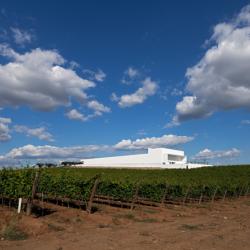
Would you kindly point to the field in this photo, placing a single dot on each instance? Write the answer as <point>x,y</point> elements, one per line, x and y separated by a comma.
<point>219,225</point>
<point>123,184</point>
<point>206,208</point>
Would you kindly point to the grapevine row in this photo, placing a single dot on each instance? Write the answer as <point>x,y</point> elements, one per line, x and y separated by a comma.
<point>76,184</point>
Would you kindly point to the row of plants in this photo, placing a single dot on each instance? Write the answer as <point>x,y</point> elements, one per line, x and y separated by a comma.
<point>122,184</point>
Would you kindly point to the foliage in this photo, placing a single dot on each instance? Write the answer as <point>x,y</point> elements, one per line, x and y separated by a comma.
<point>76,183</point>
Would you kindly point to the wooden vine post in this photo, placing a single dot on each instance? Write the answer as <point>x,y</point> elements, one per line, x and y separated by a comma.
<point>92,195</point>
<point>201,196</point>
<point>224,196</point>
<point>235,193</point>
<point>186,196</point>
<point>241,191</point>
<point>164,196</point>
<point>135,197</point>
<point>214,194</point>
<point>246,193</point>
<point>33,193</point>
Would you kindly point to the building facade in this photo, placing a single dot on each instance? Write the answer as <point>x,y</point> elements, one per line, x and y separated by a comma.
<point>155,158</point>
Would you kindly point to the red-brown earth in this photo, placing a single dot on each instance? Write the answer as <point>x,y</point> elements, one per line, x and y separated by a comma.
<point>219,225</point>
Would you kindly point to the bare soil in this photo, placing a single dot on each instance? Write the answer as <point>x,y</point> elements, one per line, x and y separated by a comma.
<point>221,225</point>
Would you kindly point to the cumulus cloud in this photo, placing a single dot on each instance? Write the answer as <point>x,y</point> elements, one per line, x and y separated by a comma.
<point>176,92</point>
<point>5,120</point>
<point>98,75</point>
<point>51,152</point>
<point>152,142</point>
<point>245,122</point>
<point>208,154</point>
<point>132,72</point>
<point>114,97</point>
<point>97,107</point>
<point>149,88</point>
<point>221,79</point>
<point>18,156</point>
<point>74,65</point>
<point>38,79</point>
<point>48,152</point>
<point>130,75</point>
<point>4,129</point>
<point>41,132</point>
<point>21,37</point>
<point>73,114</point>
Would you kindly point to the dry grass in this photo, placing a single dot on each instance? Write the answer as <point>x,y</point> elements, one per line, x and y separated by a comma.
<point>55,227</point>
<point>11,231</point>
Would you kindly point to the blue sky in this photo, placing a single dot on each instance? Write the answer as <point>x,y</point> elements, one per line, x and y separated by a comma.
<point>92,78</point>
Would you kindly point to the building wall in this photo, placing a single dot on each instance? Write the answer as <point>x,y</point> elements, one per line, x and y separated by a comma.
<point>145,166</point>
<point>157,158</point>
<point>123,160</point>
<point>165,155</point>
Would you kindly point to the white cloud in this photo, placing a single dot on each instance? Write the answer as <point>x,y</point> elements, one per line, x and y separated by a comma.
<point>208,154</point>
<point>245,122</point>
<point>98,107</point>
<point>38,79</point>
<point>4,129</point>
<point>221,79</point>
<point>176,92</point>
<point>5,120</point>
<point>132,72</point>
<point>73,114</point>
<point>94,105</point>
<point>50,152</point>
<point>74,65</point>
<point>130,75</point>
<point>173,123</point>
<point>21,37</point>
<point>40,132</point>
<point>20,155</point>
<point>152,142</point>
<point>114,97</point>
<point>98,75</point>
<point>148,88</point>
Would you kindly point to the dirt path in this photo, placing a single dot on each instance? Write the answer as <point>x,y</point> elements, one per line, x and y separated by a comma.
<point>212,226</point>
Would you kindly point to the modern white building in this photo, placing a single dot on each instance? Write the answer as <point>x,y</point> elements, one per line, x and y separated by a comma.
<point>155,158</point>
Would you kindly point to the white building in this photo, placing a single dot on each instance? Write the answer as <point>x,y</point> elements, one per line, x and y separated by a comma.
<point>155,158</point>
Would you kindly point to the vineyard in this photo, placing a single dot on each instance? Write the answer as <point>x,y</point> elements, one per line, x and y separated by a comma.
<point>134,186</point>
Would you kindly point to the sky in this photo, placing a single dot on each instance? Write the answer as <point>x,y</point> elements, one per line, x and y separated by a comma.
<point>96,78</point>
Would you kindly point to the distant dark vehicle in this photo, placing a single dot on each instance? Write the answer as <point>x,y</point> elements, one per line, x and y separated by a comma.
<point>46,165</point>
<point>70,163</point>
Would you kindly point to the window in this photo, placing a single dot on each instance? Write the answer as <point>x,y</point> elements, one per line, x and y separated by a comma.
<point>175,158</point>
